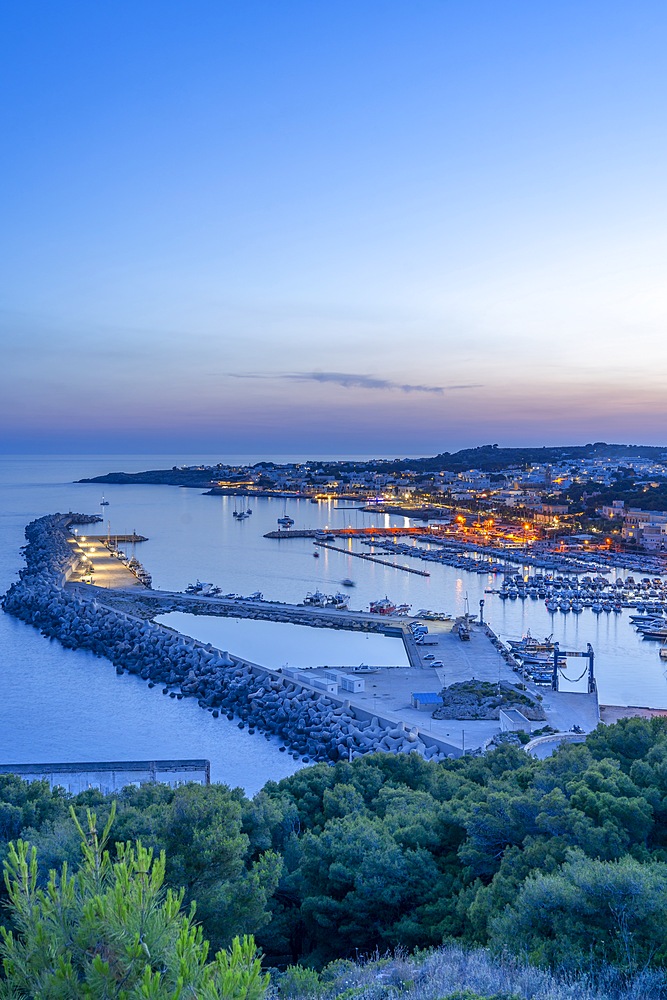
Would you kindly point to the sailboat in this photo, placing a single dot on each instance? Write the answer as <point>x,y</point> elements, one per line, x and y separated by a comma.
<point>285,521</point>
<point>103,502</point>
<point>241,515</point>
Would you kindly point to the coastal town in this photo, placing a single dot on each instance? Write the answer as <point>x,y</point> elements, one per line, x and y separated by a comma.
<point>599,501</point>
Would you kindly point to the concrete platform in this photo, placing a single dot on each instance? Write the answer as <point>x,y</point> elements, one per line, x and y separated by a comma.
<point>388,692</point>
<point>109,573</point>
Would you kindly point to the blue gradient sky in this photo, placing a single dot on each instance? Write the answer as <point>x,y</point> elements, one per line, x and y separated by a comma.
<point>348,226</point>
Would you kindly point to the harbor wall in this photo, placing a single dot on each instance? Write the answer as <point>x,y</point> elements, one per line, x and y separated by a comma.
<point>111,776</point>
<point>313,725</point>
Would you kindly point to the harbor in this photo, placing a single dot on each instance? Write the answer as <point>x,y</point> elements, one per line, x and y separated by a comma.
<point>502,591</point>
<point>390,693</point>
<point>189,536</point>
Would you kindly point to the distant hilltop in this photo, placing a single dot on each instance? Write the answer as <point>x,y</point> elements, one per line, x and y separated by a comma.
<point>486,458</point>
<point>195,477</point>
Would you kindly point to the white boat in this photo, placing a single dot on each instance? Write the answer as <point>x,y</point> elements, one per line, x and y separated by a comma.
<point>364,668</point>
<point>315,599</point>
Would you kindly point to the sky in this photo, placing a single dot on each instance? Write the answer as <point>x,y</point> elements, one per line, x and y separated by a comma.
<point>360,226</point>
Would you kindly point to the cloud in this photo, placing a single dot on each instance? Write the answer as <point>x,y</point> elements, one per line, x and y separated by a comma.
<point>350,381</point>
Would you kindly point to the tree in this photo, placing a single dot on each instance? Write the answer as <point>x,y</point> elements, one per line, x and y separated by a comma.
<point>110,931</point>
<point>590,912</point>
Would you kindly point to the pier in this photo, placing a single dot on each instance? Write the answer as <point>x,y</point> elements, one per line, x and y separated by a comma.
<point>364,555</point>
<point>93,560</point>
<point>343,532</point>
<point>387,692</point>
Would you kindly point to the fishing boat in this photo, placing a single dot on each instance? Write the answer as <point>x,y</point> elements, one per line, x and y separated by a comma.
<point>383,607</point>
<point>528,644</point>
<point>315,599</point>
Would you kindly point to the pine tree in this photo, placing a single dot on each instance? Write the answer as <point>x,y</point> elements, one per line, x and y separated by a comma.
<point>110,931</point>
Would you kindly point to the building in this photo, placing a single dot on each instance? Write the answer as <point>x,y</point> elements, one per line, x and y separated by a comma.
<point>646,528</point>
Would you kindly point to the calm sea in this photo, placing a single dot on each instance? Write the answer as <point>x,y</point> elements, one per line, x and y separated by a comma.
<point>60,705</point>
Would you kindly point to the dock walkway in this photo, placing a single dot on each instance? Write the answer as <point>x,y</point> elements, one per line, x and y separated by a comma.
<point>375,559</point>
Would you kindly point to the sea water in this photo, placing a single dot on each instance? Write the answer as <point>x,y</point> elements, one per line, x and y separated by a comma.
<point>67,705</point>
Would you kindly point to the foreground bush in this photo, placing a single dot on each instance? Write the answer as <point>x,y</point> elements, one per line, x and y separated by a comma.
<point>455,973</point>
<point>110,930</point>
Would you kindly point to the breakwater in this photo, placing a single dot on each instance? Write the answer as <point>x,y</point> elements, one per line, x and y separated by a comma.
<point>149,603</point>
<point>312,725</point>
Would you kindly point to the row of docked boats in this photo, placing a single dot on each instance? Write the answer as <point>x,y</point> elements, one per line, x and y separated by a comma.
<point>534,657</point>
<point>553,562</point>
<point>387,607</point>
<point>133,564</point>
<point>316,599</point>
<point>482,559</point>
<point>442,555</point>
<point>652,625</point>
<point>597,593</point>
<point>200,589</point>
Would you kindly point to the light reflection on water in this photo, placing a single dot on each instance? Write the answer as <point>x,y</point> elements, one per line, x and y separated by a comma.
<point>62,704</point>
<point>279,644</point>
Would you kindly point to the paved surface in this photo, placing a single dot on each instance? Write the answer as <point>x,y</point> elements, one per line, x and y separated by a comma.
<point>388,692</point>
<point>108,571</point>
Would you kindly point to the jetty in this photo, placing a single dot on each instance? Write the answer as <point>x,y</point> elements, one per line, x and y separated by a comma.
<point>132,539</point>
<point>375,559</point>
<point>343,532</point>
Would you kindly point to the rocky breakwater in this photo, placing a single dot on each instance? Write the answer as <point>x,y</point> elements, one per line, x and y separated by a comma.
<point>312,725</point>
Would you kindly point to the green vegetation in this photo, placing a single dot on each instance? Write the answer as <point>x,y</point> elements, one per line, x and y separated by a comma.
<point>110,930</point>
<point>483,700</point>
<point>561,861</point>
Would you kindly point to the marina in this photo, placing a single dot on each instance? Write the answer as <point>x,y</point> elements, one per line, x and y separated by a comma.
<point>192,536</point>
<point>539,665</point>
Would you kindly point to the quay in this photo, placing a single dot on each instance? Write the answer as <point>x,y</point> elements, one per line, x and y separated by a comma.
<point>342,532</point>
<point>117,539</point>
<point>388,693</point>
<point>92,559</point>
